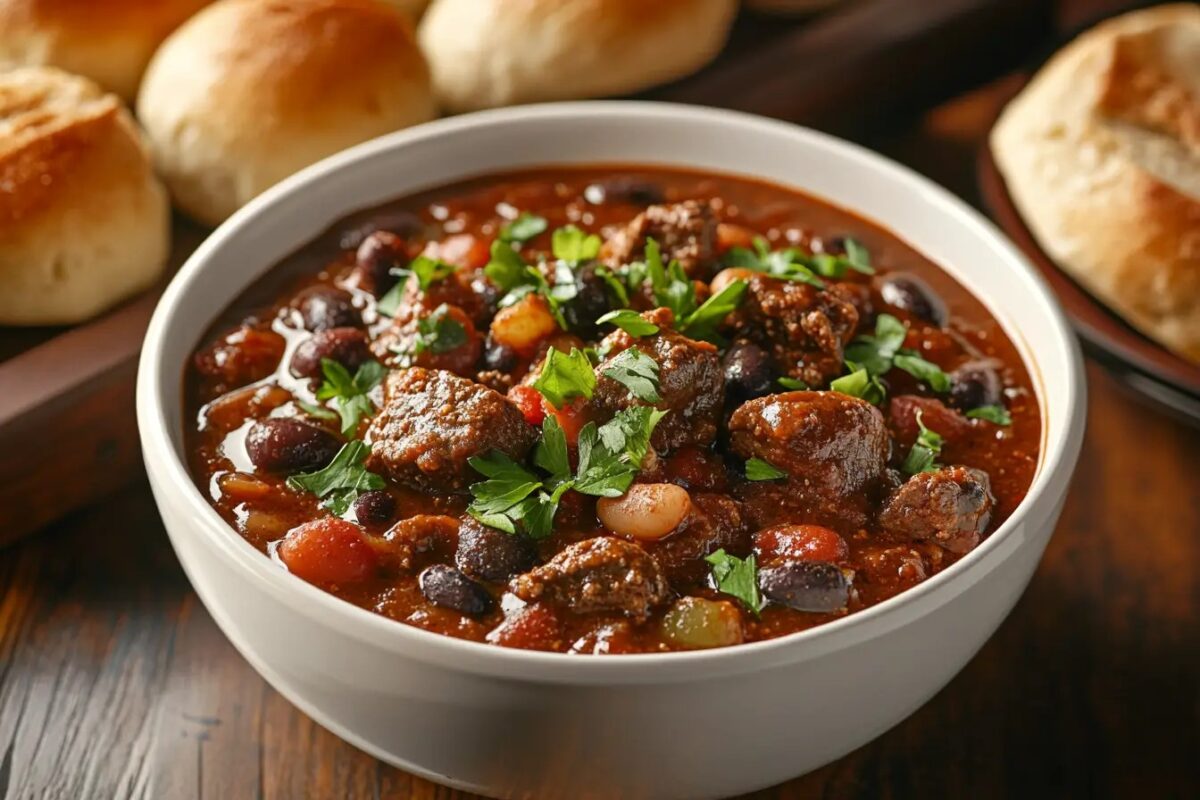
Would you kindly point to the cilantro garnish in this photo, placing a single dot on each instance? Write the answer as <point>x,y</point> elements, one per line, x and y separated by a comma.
<point>789,264</point>
<point>858,257</point>
<point>671,286</point>
<point>565,376</point>
<point>629,321</point>
<point>509,271</point>
<point>880,353</point>
<point>702,323</point>
<point>860,383</point>
<point>614,285</point>
<point>996,414</point>
<point>611,456</point>
<point>525,227</point>
<point>759,470</point>
<point>924,453</point>
<point>637,372</point>
<point>427,271</point>
<point>339,484</point>
<point>737,578</point>
<point>439,332</point>
<point>348,392</point>
<point>792,383</point>
<point>573,245</point>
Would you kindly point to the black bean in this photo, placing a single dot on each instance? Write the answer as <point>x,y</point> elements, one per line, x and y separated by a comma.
<point>499,357</point>
<point>492,555</point>
<point>447,587</point>
<point>347,346</point>
<point>747,371</point>
<point>324,307</point>
<point>281,444</point>
<point>376,258</point>
<point>629,190</point>
<point>374,508</point>
<point>589,303</point>
<point>909,293</point>
<point>813,586</point>
<point>975,384</point>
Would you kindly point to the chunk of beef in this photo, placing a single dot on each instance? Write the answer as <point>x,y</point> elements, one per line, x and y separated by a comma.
<point>433,421</point>
<point>686,232</point>
<point>601,574</point>
<point>491,555</point>
<point>827,440</point>
<point>413,537</point>
<point>951,507</point>
<point>802,328</point>
<point>690,378</point>
<point>443,337</point>
<point>716,521</point>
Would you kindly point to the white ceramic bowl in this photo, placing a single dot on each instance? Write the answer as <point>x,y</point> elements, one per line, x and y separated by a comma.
<point>522,724</point>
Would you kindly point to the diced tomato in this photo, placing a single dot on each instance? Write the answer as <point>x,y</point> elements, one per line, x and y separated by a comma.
<point>529,401</point>
<point>800,543</point>
<point>329,551</point>
<point>533,627</point>
<point>571,417</point>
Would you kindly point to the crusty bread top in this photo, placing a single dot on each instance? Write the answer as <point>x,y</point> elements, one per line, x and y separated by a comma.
<point>48,119</point>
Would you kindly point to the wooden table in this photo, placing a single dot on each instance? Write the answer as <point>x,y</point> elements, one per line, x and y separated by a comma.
<point>114,681</point>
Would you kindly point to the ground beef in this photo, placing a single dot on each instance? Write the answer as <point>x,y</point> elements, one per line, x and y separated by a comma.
<point>686,232</point>
<point>802,328</point>
<point>433,421</point>
<point>691,384</point>
<point>827,441</point>
<point>601,574</point>
<point>951,507</point>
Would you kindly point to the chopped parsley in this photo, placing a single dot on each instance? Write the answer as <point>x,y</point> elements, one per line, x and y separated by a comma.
<point>611,456</point>
<point>858,257</point>
<point>629,321</point>
<point>758,469</point>
<point>573,245</point>
<point>348,392</point>
<point>501,501</point>
<point>793,384</point>
<point>439,332</point>
<point>923,455</point>
<point>860,383</point>
<point>510,273</point>
<point>737,578</point>
<point>996,414</point>
<point>637,372</point>
<point>339,484</point>
<point>703,322</point>
<point>525,227</point>
<point>879,353</point>
<point>565,376</point>
<point>427,271</point>
<point>789,264</point>
<point>671,286</point>
<point>614,285</point>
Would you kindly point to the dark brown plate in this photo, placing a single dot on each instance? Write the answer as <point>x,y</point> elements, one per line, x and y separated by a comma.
<point>1151,370</point>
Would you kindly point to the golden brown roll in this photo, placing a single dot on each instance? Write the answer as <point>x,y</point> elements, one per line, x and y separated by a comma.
<point>486,53</point>
<point>1101,154</point>
<point>249,91</point>
<point>412,8</point>
<point>83,221</point>
<point>109,41</point>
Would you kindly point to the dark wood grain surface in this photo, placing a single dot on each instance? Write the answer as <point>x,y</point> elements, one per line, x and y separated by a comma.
<point>114,681</point>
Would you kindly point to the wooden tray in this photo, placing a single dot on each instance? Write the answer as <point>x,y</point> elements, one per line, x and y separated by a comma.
<point>67,425</point>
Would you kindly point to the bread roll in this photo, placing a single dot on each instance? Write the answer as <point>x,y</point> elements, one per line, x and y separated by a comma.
<point>411,8</point>
<point>249,91</point>
<point>486,53</point>
<point>1101,154</point>
<point>83,221</point>
<point>109,41</point>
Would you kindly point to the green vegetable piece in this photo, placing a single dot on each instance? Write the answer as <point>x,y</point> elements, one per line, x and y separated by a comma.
<point>923,455</point>
<point>339,484</point>
<point>759,470</point>
<point>995,414</point>
<point>629,321</point>
<point>565,376</point>
<point>573,245</point>
<point>525,227</point>
<point>637,372</point>
<point>737,578</point>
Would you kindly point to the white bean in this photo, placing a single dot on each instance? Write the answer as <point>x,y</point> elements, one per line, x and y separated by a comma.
<point>646,511</point>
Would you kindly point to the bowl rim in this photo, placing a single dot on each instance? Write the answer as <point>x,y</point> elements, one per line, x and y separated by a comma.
<point>169,472</point>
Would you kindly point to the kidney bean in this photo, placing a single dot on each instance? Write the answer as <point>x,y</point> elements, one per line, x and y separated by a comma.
<point>282,444</point>
<point>404,223</point>
<point>498,356</point>
<point>813,586</point>
<point>589,303</point>
<point>447,587</point>
<point>628,189</point>
<point>376,257</point>
<point>374,508</point>
<point>492,555</point>
<point>328,551</point>
<point>975,384</point>
<point>747,371</point>
<point>243,356</point>
<point>324,307</point>
<point>909,293</point>
<point>347,346</point>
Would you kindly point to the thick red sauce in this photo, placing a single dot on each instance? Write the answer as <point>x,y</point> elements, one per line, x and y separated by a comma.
<point>242,376</point>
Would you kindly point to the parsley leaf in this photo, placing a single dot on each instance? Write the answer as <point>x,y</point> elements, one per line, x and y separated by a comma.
<point>340,483</point>
<point>858,257</point>
<point>759,470</point>
<point>611,456</point>
<point>629,321</point>
<point>702,323</point>
<point>573,245</point>
<point>789,264</point>
<point>737,578</point>
<point>565,376</point>
<point>637,372</point>
<point>506,269</point>
<point>923,370</point>
<point>314,410</point>
<point>439,332</point>
<point>997,414</point>
<point>497,500</point>
<point>792,384</point>
<point>349,393</point>
<point>428,271</point>
<point>509,271</point>
<point>880,353</point>
<point>614,285</point>
<point>671,286</point>
<point>551,451</point>
<point>924,453</point>
<point>525,227</point>
<point>859,383</point>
